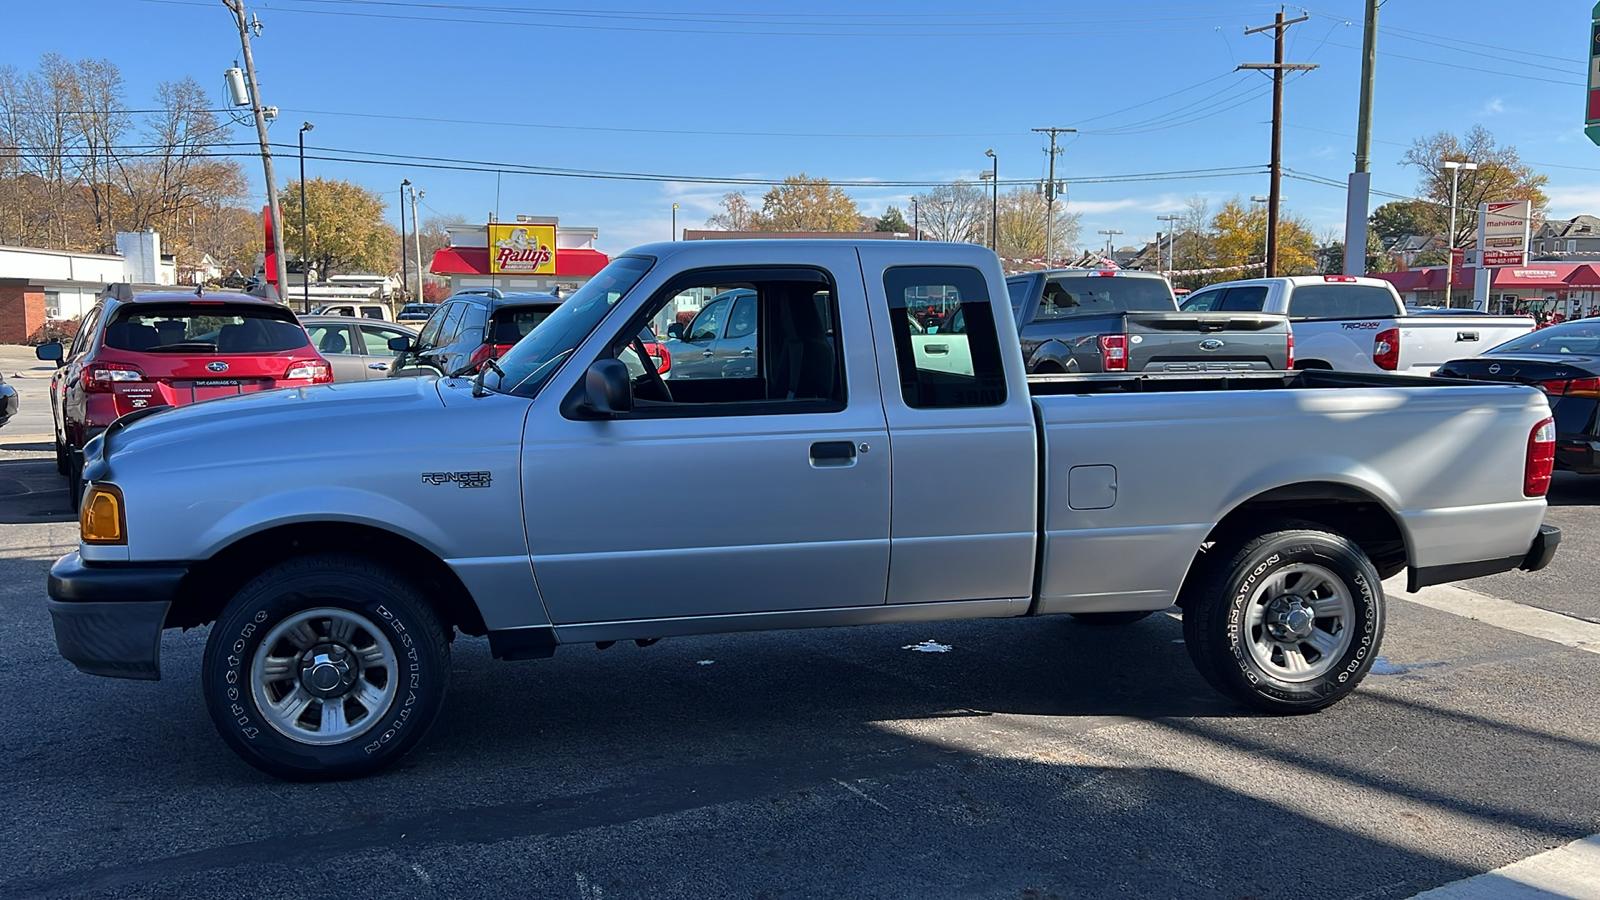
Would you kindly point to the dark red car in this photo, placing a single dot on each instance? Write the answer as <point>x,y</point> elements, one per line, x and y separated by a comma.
<point>170,349</point>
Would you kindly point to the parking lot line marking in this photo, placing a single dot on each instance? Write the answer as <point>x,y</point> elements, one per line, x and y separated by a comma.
<point>1529,620</point>
<point>1565,873</point>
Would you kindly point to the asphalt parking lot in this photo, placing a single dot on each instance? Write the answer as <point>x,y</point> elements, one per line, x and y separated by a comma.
<point>1030,759</point>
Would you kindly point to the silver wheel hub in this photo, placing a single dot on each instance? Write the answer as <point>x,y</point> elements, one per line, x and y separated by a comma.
<point>1299,622</point>
<point>324,676</point>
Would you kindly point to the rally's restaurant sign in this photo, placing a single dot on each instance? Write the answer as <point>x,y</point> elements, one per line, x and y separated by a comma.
<point>522,249</point>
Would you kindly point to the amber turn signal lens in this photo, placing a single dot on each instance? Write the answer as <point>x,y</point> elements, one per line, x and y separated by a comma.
<point>101,521</point>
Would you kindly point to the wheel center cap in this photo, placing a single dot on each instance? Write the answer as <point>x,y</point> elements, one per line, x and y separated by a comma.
<point>1290,618</point>
<point>326,670</point>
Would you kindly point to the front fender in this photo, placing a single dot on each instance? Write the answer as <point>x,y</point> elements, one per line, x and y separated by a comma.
<point>323,504</point>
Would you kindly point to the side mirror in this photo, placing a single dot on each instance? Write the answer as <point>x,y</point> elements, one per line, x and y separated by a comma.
<point>400,344</point>
<point>608,391</point>
<point>51,352</point>
<point>675,330</point>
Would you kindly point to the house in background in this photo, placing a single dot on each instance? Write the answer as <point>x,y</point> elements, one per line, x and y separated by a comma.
<point>37,284</point>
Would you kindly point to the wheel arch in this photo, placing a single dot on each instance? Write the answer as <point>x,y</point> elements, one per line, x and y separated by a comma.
<point>212,583</point>
<point>1344,509</point>
<point>1054,353</point>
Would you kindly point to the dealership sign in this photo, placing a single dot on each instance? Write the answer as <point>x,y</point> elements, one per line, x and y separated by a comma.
<point>1503,232</point>
<point>522,249</point>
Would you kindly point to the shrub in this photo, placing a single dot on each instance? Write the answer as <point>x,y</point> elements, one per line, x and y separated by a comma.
<point>63,330</point>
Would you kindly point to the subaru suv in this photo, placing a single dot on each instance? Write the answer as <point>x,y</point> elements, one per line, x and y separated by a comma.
<point>135,352</point>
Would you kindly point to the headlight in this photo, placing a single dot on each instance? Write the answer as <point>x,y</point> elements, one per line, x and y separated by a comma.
<point>101,520</point>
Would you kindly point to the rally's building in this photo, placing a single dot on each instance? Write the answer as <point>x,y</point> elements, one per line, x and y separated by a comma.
<point>533,253</point>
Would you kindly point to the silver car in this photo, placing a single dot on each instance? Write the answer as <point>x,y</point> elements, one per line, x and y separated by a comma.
<point>720,342</point>
<point>358,349</point>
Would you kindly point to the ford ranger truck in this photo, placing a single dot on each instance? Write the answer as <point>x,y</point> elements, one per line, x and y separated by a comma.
<point>507,506</point>
<point>1358,324</point>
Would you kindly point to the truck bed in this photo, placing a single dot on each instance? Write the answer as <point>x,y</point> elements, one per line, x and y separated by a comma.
<point>1167,383</point>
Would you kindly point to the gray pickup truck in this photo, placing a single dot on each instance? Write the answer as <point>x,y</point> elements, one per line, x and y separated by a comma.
<point>335,569</point>
<point>1114,320</point>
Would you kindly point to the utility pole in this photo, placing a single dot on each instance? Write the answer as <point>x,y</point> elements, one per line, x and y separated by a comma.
<point>1355,217</point>
<point>259,113</point>
<point>1050,189</point>
<point>1277,67</point>
<point>405,268</point>
<point>416,235</point>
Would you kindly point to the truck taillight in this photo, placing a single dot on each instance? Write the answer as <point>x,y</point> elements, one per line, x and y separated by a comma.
<point>1342,279</point>
<point>1114,352</point>
<point>1386,349</point>
<point>100,377</point>
<point>660,355</point>
<point>1290,363</point>
<point>315,371</point>
<point>1541,459</point>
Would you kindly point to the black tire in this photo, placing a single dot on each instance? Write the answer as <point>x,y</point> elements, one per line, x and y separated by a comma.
<point>1126,617</point>
<point>1241,659</point>
<point>386,609</point>
<point>74,479</point>
<point>63,459</point>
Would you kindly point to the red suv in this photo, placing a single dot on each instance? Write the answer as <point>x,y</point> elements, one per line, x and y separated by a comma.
<point>170,349</point>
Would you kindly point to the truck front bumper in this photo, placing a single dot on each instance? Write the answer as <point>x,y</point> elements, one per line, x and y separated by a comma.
<point>108,618</point>
<point>1540,552</point>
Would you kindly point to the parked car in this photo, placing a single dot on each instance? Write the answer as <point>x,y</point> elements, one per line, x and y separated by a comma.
<point>379,311</point>
<point>358,350</point>
<point>416,312</point>
<point>1116,320</point>
<point>719,342</point>
<point>138,352</point>
<point>1359,324</point>
<point>509,506</point>
<point>480,324</point>
<point>1563,361</point>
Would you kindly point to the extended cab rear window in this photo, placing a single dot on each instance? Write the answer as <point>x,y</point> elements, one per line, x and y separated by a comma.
<point>1341,301</point>
<point>1090,294</point>
<point>204,328</point>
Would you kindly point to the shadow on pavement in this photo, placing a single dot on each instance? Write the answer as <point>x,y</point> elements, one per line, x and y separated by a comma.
<point>31,491</point>
<point>1572,489</point>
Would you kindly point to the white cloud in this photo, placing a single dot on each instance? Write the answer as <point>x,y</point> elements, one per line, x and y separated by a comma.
<point>1493,107</point>
<point>1567,201</point>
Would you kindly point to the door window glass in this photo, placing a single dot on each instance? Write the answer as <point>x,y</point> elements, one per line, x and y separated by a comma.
<point>1017,288</point>
<point>377,339</point>
<point>787,360</point>
<point>430,329</point>
<point>372,312</point>
<point>451,329</point>
<point>959,367</point>
<point>85,327</point>
<point>708,323</point>
<point>1246,298</point>
<point>329,338</point>
<point>1205,301</point>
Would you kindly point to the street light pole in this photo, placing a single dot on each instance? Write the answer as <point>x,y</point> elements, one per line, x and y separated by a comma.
<point>916,222</point>
<point>305,243</point>
<point>1110,250</point>
<point>674,221</point>
<point>994,204</point>
<point>1171,237</point>
<point>1456,168</point>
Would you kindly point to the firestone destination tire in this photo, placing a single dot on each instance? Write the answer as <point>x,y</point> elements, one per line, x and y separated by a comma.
<point>325,667</point>
<point>1287,622</point>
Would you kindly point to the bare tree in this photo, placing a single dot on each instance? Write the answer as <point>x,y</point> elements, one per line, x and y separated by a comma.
<point>737,214</point>
<point>954,212</point>
<point>1501,175</point>
<point>1023,212</point>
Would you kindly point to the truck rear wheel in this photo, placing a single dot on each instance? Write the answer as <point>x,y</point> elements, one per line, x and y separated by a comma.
<point>325,667</point>
<point>1287,622</point>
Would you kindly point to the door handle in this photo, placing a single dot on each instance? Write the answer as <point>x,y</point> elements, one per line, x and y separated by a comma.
<point>382,367</point>
<point>833,454</point>
<point>747,352</point>
<point>937,349</point>
<point>1466,336</point>
<point>707,354</point>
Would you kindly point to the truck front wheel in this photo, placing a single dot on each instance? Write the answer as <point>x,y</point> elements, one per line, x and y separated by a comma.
<point>325,667</point>
<point>1287,622</point>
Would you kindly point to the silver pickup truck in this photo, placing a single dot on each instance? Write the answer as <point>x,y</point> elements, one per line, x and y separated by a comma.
<point>338,537</point>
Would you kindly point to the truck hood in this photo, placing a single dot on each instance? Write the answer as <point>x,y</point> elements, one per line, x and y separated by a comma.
<point>271,423</point>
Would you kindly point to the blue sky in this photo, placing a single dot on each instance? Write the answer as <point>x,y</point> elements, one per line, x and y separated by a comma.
<point>868,91</point>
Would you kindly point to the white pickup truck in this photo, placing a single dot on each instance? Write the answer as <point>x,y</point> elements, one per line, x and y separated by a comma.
<point>1359,324</point>
<point>337,538</point>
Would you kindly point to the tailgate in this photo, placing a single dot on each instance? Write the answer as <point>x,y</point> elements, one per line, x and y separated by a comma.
<point>1207,342</point>
<point>1427,342</point>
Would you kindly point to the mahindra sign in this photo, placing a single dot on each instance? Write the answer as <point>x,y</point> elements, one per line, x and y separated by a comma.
<point>1503,232</point>
<point>522,249</point>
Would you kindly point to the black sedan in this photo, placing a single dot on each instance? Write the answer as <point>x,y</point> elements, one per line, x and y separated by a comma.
<point>1564,362</point>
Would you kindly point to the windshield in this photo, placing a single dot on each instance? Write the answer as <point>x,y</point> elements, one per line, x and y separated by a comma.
<point>1581,337</point>
<point>205,327</point>
<point>527,366</point>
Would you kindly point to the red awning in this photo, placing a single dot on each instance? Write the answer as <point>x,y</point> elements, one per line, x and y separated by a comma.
<point>1584,276</point>
<point>475,261</point>
<point>1538,277</point>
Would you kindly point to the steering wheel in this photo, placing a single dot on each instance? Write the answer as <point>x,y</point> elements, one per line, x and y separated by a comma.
<point>650,371</point>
